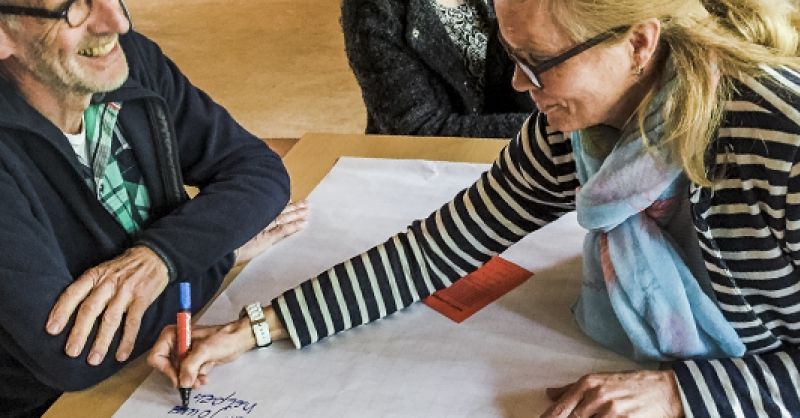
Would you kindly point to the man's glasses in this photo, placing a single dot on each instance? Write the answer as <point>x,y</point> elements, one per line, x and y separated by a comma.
<point>74,12</point>
<point>534,70</point>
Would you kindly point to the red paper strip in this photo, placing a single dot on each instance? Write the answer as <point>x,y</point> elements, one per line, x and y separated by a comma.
<point>478,289</point>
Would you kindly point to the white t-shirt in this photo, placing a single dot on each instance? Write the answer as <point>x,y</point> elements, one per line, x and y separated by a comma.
<point>78,142</point>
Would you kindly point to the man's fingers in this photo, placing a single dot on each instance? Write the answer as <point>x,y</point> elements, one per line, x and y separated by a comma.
<point>293,212</point>
<point>284,230</point>
<point>133,322</point>
<point>274,228</point>
<point>91,308</point>
<point>69,300</point>
<point>102,296</point>
<point>292,218</point>
<point>295,206</point>
<point>105,333</point>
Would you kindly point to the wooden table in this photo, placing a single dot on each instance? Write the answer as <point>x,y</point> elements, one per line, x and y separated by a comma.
<point>253,57</point>
<point>308,162</point>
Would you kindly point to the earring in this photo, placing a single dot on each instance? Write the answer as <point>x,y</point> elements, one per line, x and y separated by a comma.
<point>638,70</point>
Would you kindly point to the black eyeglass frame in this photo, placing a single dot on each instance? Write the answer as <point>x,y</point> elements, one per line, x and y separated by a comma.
<point>60,13</point>
<point>534,71</point>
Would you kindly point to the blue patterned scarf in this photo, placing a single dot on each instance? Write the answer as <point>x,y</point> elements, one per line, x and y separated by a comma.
<point>638,297</point>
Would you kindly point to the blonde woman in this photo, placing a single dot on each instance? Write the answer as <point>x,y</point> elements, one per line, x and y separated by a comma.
<point>672,127</point>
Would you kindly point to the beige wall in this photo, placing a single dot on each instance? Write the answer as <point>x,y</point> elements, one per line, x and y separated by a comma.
<point>277,65</point>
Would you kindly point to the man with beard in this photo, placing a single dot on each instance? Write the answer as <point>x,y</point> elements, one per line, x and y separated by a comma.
<point>99,132</point>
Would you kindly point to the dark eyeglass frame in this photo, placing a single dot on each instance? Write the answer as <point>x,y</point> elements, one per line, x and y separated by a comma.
<point>60,13</point>
<point>534,71</point>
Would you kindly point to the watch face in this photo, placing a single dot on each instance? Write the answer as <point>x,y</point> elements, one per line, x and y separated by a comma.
<point>261,332</point>
<point>258,324</point>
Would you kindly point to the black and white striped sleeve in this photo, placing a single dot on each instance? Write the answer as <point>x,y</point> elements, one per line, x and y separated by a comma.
<point>530,184</point>
<point>764,385</point>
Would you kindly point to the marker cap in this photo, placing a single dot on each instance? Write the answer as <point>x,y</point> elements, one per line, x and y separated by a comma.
<point>186,296</point>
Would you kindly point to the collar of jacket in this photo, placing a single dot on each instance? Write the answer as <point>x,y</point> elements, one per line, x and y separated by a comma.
<point>16,113</point>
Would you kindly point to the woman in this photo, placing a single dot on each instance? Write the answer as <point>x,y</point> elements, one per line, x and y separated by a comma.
<point>673,128</point>
<point>432,67</point>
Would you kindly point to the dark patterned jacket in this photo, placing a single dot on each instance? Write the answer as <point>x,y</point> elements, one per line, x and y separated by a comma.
<point>413,78</point>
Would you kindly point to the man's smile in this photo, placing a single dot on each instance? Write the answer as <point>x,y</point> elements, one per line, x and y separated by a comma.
<point>100,50</point>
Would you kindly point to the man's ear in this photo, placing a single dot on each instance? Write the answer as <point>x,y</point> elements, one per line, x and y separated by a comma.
<point>6,42</point>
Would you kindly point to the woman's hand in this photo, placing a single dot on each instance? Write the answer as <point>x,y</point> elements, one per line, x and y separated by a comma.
<point>211,345</point>
<point>650,394</point>
<point>291,220</point>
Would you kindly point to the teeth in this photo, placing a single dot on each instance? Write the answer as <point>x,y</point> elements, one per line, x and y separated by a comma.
<point>98,51</point>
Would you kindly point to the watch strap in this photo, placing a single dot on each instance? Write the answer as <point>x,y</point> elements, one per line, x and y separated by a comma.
<point>258,324</point>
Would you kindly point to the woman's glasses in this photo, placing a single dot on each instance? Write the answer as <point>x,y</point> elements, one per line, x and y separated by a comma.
<point>534,70</point>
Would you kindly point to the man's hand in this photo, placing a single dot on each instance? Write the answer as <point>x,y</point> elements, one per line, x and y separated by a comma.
<point>125,285</point>
<point>291,220</point>
<point>646,394</point>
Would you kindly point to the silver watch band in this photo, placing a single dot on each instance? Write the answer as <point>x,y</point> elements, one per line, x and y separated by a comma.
<point>259,325</point>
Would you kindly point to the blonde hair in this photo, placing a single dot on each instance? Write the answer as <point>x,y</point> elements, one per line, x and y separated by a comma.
<point>707,42</point>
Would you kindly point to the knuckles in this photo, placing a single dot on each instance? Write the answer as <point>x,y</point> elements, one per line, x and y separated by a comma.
<point>587,382</point>
<point>111,318</point>
<point>597,393</point>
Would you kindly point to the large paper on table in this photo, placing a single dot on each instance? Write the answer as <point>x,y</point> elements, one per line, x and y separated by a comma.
<point>415,363</point>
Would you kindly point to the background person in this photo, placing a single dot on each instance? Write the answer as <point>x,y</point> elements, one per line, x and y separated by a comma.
<point>432,67</point>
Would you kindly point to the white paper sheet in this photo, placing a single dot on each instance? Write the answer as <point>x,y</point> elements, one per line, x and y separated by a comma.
<point>415,363</point>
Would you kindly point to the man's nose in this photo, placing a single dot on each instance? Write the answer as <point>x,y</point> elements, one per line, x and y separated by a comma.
<point>109,16</point>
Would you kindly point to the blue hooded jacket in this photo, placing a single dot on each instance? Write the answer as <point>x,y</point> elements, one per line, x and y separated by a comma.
<point>52,227</point>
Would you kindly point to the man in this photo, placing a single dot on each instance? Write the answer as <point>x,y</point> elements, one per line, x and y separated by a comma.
<point>99,132</point>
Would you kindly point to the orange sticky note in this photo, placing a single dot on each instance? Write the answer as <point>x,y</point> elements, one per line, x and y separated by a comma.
<point>478,289</point>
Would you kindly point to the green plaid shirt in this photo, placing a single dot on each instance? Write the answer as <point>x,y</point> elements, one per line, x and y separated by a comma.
<point>113,171</point>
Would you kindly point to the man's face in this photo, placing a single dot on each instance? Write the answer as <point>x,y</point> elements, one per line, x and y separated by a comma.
<point>83,60</point>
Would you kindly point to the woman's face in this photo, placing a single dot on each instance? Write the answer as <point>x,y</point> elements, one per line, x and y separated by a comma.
<point>588,89</point>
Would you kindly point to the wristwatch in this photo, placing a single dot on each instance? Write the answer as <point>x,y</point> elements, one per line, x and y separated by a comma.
<point>258,323</point>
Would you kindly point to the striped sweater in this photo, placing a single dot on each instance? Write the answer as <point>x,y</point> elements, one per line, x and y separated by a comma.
<point>748,228</point>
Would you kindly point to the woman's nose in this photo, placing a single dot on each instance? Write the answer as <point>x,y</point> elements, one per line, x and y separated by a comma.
<point>520,82</point>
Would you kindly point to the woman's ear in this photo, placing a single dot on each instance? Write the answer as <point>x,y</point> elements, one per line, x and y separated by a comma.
<point>643,38</point>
